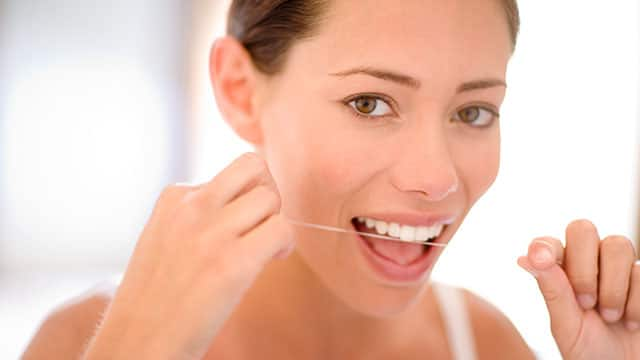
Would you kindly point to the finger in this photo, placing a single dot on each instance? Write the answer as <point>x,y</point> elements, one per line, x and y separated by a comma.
<point>272,239</point>
<point>249,210</point>
<point>537,254</point>
<point>632,312</point>
<point>168,200</point>
<point>616,260</point>
<point>243,174</point>
<point>564,312</point>
<point>165,206</point>
<point>581,261</point>
<point>172,194</point>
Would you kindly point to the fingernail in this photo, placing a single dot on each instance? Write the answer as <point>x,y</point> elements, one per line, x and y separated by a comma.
<point>632,325</point>
<point>610,315</point>
<point>543,254</point>
<point>586,301</point>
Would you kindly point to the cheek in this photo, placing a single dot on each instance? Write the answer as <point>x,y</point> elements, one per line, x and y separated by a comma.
<point>478,162</point>
<point>315,158</point>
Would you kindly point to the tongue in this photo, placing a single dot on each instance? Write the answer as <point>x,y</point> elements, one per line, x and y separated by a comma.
<point>398,252</point>
<point>401,253</point>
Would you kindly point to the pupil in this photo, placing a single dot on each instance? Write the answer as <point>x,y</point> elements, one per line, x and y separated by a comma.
<point>470,114</point>
<point>366,105</point>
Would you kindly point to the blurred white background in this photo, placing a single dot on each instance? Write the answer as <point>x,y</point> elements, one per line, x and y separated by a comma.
<point>104,103</point>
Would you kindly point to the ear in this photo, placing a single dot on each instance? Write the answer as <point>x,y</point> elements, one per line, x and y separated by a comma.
<point>234,79</point>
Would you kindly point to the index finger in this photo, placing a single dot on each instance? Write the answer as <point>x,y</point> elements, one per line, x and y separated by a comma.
<point>242,175</point>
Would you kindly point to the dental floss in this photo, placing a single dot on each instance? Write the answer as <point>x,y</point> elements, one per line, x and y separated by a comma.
<point>331,228</point>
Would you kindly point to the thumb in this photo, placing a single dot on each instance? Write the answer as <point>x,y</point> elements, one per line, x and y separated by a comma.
<point>565,313</point>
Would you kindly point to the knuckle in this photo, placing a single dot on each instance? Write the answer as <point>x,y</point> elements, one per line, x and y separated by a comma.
<point>193,209</point>
<point>170,194</point>
<point>192,204</point>
<point>551,295</point>
<point>168,200</point>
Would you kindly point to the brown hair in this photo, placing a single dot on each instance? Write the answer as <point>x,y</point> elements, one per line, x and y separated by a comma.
<point>268,28</point>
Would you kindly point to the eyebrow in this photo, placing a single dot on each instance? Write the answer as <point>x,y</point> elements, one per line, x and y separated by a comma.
<point>414,83</point>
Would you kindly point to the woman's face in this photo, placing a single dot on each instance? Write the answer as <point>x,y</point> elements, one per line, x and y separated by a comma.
<point>386,113</point>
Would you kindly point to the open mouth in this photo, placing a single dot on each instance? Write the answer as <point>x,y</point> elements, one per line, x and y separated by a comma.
<point>411,234</point>
<point>398,261</point>
<point>411,245</point>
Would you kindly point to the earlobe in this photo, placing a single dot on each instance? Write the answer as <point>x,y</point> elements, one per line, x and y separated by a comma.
<point>233,77</point>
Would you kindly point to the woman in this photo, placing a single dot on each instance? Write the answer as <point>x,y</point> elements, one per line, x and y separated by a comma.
<point>365,115</point>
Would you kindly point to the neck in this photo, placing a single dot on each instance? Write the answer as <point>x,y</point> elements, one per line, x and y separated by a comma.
<point>288,304</point>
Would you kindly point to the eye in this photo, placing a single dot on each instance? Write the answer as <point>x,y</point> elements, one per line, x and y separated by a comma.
<point>370,106</point>
<point>476,116</point>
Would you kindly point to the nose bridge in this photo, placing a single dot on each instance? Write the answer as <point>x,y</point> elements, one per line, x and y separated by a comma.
<point>425,163</point>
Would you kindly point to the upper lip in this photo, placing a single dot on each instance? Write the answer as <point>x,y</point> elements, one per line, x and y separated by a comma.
<point>413,219</point>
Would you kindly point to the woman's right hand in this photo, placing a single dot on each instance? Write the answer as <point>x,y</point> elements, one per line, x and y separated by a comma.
<point>200,251</point>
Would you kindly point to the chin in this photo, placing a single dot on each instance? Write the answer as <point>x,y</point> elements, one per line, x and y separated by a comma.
<point>366,296</point>
<point>388,302</point>
<point>339,267</point>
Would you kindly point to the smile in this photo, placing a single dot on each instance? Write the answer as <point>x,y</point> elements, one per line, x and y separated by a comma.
<point>401,231</point>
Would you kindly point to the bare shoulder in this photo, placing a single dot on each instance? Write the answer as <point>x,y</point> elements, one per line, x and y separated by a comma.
<point>496,337</point>
<point>68,327</point>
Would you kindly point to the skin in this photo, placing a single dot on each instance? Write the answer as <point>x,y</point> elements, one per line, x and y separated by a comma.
<point>383,164</point>
<point>214,275</point>
<point>592,290</point>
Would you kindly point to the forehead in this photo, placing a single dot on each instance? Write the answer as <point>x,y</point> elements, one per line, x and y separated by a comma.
<point>433,40</point>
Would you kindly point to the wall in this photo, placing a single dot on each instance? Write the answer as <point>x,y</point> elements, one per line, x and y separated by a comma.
<point>92,126</point>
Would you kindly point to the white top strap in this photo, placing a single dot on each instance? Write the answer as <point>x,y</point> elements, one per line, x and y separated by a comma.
<point>456,320</point>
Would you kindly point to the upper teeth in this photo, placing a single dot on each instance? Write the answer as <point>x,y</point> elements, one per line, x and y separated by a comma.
<point>403,232</point>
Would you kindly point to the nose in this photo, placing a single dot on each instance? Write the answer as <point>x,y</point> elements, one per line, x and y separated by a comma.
<point>425,166</point>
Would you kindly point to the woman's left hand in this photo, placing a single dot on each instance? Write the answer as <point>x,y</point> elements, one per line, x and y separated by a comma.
<point>592,292</point>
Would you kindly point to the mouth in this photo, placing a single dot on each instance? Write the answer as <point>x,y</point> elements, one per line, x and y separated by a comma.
<point>405,260</point>
<point>408,233</point>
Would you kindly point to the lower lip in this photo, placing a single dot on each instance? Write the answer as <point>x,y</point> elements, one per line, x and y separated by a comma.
<point>392,271</point>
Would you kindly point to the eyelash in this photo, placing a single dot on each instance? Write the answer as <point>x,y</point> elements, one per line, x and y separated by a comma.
<point>391,104</point>
<point>486,107</point>
<point>379,97</point>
